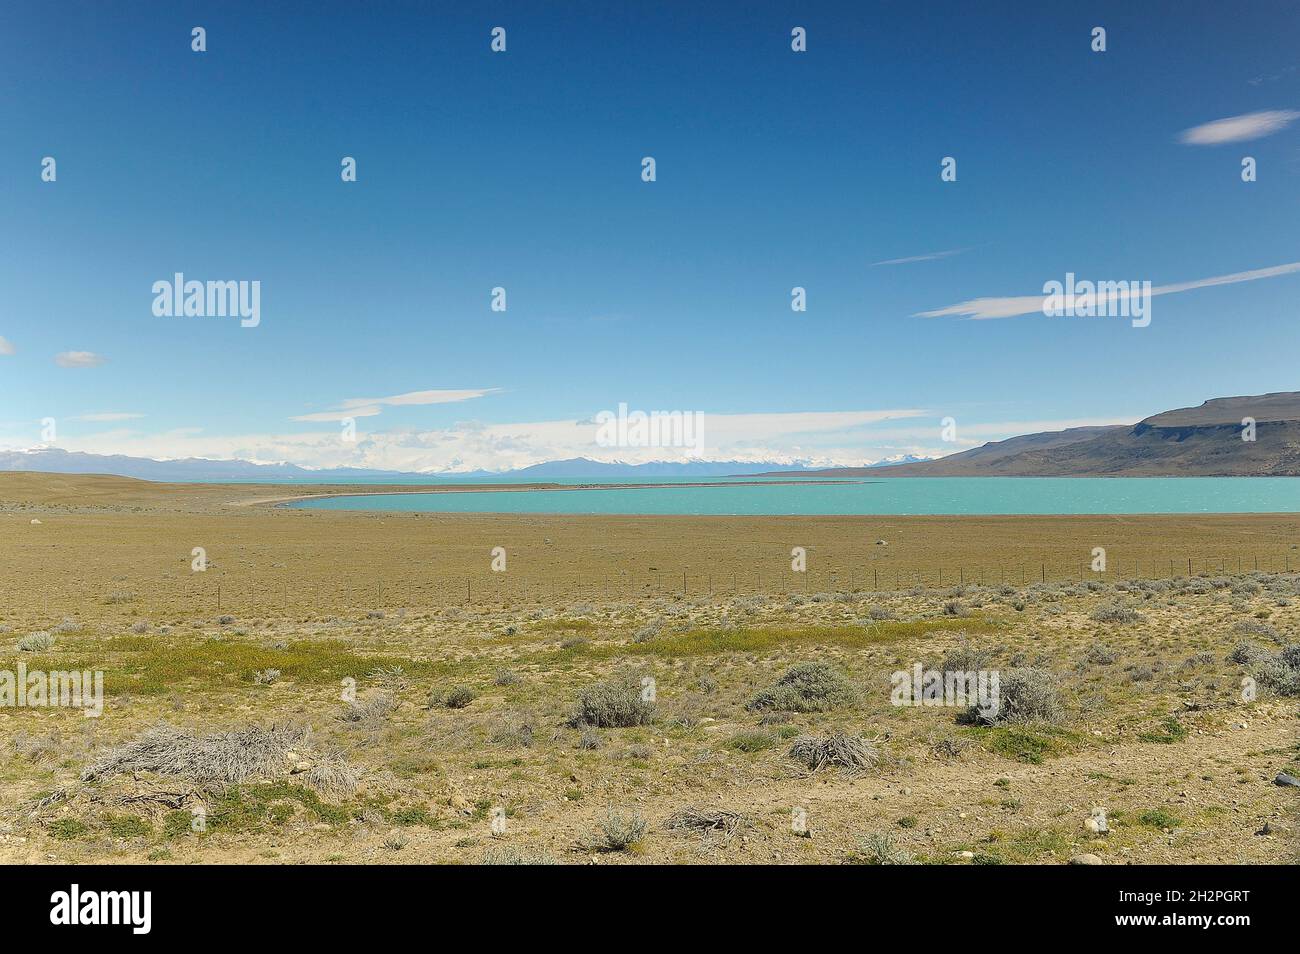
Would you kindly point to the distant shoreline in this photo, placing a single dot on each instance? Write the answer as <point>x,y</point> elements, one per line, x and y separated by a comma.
<point>403,490</point>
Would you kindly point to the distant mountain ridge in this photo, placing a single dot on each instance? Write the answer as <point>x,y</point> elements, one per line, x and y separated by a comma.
<point>1202,441</point>
<point>58,461</point>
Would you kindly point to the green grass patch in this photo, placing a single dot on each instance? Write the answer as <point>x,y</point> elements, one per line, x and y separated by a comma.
<point>1026,744</point>
<point>253,807</point>
<point>211,662</point>
<point>126,826</point>
<point>706,642</point>
<point>411,815</point>
<point>752,740</point>
<point>1024,846</point>
<point>66,829</point>
<point>1170,731</point>
<point>1159,818</point>
<point>563,626</point>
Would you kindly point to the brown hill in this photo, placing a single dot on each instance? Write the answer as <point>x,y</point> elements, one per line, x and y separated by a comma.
<point>1204,441</point>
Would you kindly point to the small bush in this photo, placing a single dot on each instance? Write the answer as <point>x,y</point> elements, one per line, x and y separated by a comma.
<point>966,658</point>
<point>852,753</point>
<point>1254,627</point>
<point>36,643</point>
<point>1099,654</point>
<point>878,849</point>
<point>1116,613</point>
<point>227,757</point>
<point>1024,695</point>
<point>503,855</point>
<point>459,697</point>
<point>613,705</point>
<point>808,687</point>
<point>515,731</point>
<point>618,832</point>
<point>371,712</point>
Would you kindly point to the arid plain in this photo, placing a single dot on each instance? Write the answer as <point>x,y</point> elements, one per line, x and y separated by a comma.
<point>365,688</point>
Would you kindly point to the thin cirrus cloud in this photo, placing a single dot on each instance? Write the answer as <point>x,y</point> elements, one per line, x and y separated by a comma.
<point>101,417</point>
<point>927,257</point>
<point>6,347</point>
<point>371,407</point>
<point>78,359</point>
<point>980,309</point>
<point>1239,128</point>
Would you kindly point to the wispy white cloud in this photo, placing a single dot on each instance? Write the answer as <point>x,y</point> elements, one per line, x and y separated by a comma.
<point>928,257</point>
<point>6,348</point>
<point>825,437</point>
<point>370,407</point>
<point>106,416</point>
<point>1239,128</point>
<point>78,359</point>
<point>1009,307</point>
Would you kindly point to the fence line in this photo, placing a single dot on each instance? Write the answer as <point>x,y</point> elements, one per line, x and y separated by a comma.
<point>224,593</point>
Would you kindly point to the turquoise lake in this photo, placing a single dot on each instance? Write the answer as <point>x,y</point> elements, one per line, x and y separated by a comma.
<point>895,495</point>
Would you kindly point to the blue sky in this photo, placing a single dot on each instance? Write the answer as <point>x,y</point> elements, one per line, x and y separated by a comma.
<point>522,170</point>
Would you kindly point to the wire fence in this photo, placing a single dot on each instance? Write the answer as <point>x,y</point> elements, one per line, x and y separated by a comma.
<point>255,594</point>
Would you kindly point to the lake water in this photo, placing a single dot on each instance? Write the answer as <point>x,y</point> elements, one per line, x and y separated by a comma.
<point>894,495</point>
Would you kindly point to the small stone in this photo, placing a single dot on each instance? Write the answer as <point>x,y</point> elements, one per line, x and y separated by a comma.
<point>1284,779</point>
<point>1086,859</point>
<point>966,855</point>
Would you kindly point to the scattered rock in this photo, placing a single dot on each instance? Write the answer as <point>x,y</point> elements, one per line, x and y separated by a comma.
<point>1086,859</point>
<point>1284,779</point>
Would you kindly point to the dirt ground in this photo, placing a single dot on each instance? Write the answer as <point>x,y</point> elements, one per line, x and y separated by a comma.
<point>426,705</point>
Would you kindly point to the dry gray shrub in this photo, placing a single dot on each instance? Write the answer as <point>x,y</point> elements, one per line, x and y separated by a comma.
<point>617,832</point>
<point>808,687</point>
<point>370,712</point>
<point>614,704</point>
<point>504,855</point>
<point>515,730</point>
<point>1024,695</point>
<point>852,753</point>
<point>224,757</point>
<point>1099,654</point>
<point>878,849</point>
<point>332,774</point>
<point>1116,613</point>
<point>706,820</point>
<point>36,642</point>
